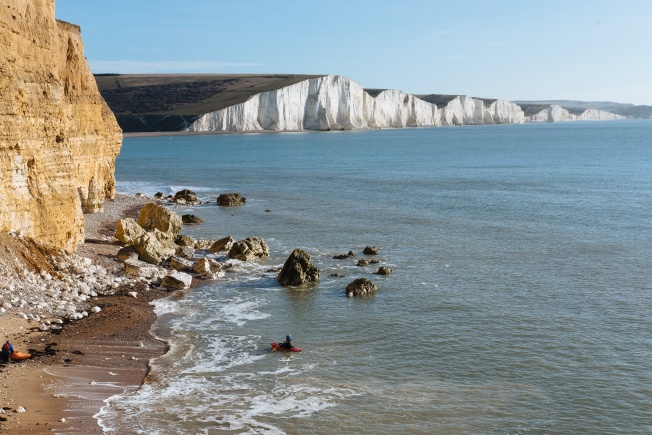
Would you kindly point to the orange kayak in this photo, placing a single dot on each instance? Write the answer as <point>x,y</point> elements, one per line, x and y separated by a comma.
<point>17,356</point>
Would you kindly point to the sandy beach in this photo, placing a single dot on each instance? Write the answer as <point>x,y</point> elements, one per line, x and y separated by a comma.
<point>73,370</point>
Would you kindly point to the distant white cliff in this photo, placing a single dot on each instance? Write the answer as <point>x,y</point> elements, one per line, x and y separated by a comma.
<point>339,103</point>
<point>557,113</point>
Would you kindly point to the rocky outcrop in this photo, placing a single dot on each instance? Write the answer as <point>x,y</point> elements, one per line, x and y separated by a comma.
<point>58,139</point>
<point>298,269</point>
<point>556,113</point>
<point>249,249</point>
<point>153,216</point>
<point>360,287</point>
<point>230,199</point>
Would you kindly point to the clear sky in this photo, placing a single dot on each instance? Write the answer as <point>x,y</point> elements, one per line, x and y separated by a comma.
<point>592,50</point>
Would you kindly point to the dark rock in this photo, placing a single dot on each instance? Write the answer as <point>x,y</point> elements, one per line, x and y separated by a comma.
<point>337,275</point>
<point>230,199</point>
<point>362,263</point>
<point>274,270</point>
<point>191,219</point>
<point>158,195</point>
<point>370,250</point>
<point>360,287</point>
<point>343,256</point>
<point>298,270</point>
<point>187,195</point>
<point>249,249</point>
<point>268,211</point>
<point>384,270</point>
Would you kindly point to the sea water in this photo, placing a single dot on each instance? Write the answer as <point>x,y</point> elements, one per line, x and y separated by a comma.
<point>521,298</point>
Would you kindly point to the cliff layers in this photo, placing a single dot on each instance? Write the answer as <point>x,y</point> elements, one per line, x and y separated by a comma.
<point>58,139</point>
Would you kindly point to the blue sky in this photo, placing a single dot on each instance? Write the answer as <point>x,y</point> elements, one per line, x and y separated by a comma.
<point>591,50</point>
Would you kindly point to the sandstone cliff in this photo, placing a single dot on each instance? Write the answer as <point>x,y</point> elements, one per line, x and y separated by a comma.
<point>58,139</point>
<point>339,103</point>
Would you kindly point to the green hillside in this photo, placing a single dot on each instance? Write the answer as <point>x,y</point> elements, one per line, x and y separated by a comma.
<point>168,102</point>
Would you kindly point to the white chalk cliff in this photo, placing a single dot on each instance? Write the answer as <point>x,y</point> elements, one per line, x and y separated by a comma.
<point>339,103</point>
<point>557,113</point>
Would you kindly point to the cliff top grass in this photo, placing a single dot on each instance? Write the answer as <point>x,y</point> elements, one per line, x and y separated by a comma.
<point>185,94</point>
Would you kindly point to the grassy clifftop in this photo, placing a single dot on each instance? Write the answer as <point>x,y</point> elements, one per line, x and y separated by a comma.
<point>168,102</point>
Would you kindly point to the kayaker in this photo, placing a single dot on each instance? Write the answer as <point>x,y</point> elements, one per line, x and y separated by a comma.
<point>7,350</point>
<point>287,344</point>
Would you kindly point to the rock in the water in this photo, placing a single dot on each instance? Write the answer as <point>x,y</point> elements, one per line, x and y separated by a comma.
<point>159,195</point>
<point>384,270</point>
<point>135,268</point>
<point>362,262</point>
<point>187,195</point>
<point>344,256</point>
<point>127,230</point>
<point>191,219</point>
<point>208,268</point>
<point>249,249</point>
<point>360,287</point>
<point>298,270</point>
<point>230,199</point>
<point>203,245</point>
<point>153,216</point>
<point>370,250</point>
<point>154,247</point>
<point>177,280</point>
<point>223,244</point>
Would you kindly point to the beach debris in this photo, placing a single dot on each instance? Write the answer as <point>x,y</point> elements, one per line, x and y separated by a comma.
<point>133,294</point>
<point>360,287</point>
<point>20,410</point>
<point>112,374</point>
<point>62,420</point>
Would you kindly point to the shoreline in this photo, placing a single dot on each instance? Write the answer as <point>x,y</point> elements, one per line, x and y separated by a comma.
<point>74,370</point>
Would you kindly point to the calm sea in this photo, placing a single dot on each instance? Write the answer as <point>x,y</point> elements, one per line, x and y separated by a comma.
<point>521,298</point>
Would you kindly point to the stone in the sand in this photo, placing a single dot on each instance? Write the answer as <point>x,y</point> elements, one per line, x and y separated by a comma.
<point>298,269</point>
<point>191,219</point>
<point>187,195</point>
<point>96,309</point>
<point>370,250</point>
<point>384,270</point>
<point>360,287</point>
<point>184,240</point>
<point>179,263</point>
<point>154,247</point>
<point>230,199</point>
<point>177,280</point>
<point>153,216</point>
<point>249,249</point>
<point>185,252</point>
<point>135,268</point>
<point>127,230</point>
<point>127,252</point>
<point>223,244</point>
<point>343,256</point>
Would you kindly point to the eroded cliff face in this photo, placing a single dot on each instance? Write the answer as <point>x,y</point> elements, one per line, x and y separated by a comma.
<point>58,139</point>
<point>339,103</point>
<point>557,113</point>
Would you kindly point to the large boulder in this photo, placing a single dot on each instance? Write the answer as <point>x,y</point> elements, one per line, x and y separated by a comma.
<point>370,250</point>
<point>191,219</point>
<point>298,269</point>
<point>127,230</point>
<point>185,252</point>
<point>155,247</point>
<point>360,287</point>
<point>180,263</point>
<point>208,268</point>
<point>223,244</point>
<point>249,249</point>
<point>184,240</point>
<point>187,195</point>
<point>230,199</point>
<point>384,270</point>
<point>177,280</point>
<point>134,268</point>
<point>153,216</point>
